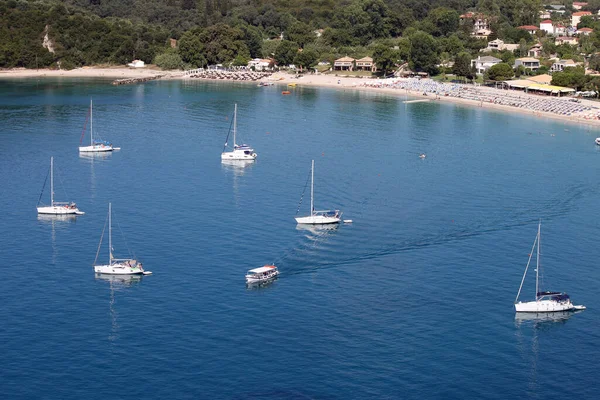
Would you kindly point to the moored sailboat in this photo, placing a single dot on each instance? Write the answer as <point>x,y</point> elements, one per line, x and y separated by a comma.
<point>318,217</point>
<point>545,301</point>
<point>95,145</point>
<point>57,207</point>
<point>117,266</point>
<point>240,151</point>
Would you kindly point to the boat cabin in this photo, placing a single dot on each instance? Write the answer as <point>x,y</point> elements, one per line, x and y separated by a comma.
<point>328,213</point>
<point>261,274</point>
<point>554,296</point>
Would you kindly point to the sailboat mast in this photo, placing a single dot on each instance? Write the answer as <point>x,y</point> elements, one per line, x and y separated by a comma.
<point>537,267</point>
<point>91,124</point>
<point>110,255</point>
<point>312,187</point>
<point>234,125</point>
<point>52,181</point>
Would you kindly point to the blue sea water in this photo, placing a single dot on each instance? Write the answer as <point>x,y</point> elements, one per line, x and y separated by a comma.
<point>413,300</point>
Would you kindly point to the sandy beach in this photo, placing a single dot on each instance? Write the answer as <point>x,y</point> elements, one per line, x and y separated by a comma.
<point>312,80</point>
<point>88,72</point>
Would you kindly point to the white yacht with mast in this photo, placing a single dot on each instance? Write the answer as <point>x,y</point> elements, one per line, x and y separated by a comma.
<point>545,301</point>
<point>117,266</point>
<point>240,151</point>
<point>95,145</point>
<point>318,217</point>
<point>56,207</point>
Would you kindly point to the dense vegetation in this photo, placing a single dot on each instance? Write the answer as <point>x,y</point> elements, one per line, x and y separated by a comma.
<point>427,35</point>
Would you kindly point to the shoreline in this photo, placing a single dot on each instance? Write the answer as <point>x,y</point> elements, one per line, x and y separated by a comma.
<point>314,81</point>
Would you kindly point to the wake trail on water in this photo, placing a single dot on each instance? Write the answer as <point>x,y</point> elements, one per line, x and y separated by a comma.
<point>309,255</point>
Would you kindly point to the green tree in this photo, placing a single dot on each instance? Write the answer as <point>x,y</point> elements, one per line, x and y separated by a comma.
<point>594,62</point>
<point>306,58</point>
<point>223,43</point>
<point>300,33</point>
<point>423,53</point>
<point>507,57</point>
<point>444,20</point>
<point>385,58</point>
<point>499,72</point>
<point>462,65</point>
<point>286,52</point>
<point>170,59</point>
<point>573,77</point>
<point>191,49</point>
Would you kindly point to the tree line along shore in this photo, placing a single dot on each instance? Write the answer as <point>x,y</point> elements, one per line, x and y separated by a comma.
<point>435,37</point>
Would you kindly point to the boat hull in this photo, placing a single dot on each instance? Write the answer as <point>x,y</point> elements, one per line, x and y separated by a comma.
<point>318,220</point>
<point>95,149</point>
<point>118,269</point>
<point>59,210</point>
<point>237,156</point>
<point>544,306</point>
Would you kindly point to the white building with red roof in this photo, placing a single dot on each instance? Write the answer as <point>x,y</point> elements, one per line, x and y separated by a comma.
<point>546,26</point>
<point>576,17</point>
<point>566,40</point>
<point>585,31</point>
<point>560,30</point>
<point>579,5</point>
<point>529,28</point>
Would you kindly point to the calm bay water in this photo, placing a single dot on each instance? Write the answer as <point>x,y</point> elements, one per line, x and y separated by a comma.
<point>412,300</point>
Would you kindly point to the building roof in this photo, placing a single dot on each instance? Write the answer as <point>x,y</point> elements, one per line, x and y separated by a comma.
<point>345,59</point>
<point>566,62</point>
<point>581,13</point>
<point>544,78</point>
<point>546,21</point>
<point>528,28</point>
<point>585,30</point>
<point>488,59</point>
<point>365,59</point>
<point>263,269</point>
<point>578,3</point>
<point>527,59</point>
<point>566,38</point>
<point>527,84</point>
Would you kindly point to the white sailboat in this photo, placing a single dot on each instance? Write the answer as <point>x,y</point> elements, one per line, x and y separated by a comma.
<point>318,217</point>
<point>117,266</point>
<point>57,207</point>
<point>95,145</point>
<point>240,151</point>
<point>545,301</point>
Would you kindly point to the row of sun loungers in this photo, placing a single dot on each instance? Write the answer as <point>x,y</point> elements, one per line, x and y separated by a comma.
<point>242,75</point>
<point>530,102</point>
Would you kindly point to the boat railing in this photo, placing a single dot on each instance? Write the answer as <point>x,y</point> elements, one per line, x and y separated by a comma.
<point>328,213</point>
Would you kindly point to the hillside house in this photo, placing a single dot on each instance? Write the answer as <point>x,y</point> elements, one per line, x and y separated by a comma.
<point>344,64</point>
<point>482,64</point>
<point>529,63</point>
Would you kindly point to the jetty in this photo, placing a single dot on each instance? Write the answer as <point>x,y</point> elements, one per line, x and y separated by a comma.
<point>129,81</point>
<point>416,101</point>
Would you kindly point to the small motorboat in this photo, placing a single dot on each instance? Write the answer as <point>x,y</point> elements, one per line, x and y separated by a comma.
<point>597,141</point>
<point>422,155</point>
<point>286,92</point>
<point>263,274</point>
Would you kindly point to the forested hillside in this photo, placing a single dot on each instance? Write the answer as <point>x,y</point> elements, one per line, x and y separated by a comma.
<point>423,33</point>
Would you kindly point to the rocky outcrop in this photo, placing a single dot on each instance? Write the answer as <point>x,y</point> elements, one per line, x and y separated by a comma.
<point>47,43</point>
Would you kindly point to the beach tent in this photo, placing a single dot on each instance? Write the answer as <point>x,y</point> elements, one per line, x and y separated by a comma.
<point>528,85</point>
